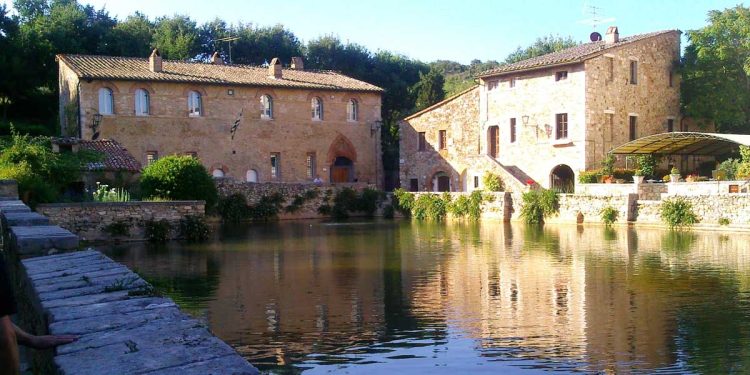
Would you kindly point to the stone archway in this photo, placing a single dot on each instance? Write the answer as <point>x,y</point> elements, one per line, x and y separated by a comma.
<point>251,175</point>
<point>441,182</point>
<point>562,179</point>
<point>341,158</point>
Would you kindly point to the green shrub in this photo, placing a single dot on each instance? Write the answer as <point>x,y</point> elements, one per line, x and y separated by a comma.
<point>493,182</point>
<point>233,208</point>
<point>368,200</point>
<point>300,199</point>
<point>538,204</point>
<point>608,165</point>
<point>179,178</point>
<point>470,206</point>
<point>723,221</point>
<point>104,194</point>
<point>157,230</point>
<point>729,167</point>
<point>429,207</point>
<point>647,165</point>
<point>589,177</point>
<point>678,212</point>
<point>403,201</point>
<point>268,207</point>
<point>624,174</point>
<point>193,228</point>
<point>388,211</point>
<point>609,215</point>
<point>118,228</point>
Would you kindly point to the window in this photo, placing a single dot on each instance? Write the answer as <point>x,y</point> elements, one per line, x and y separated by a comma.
<point>106,101</point>
<point>442,140</point>
<point>266,107</point>
<point>151,156</point>
<point>195,104</point>
<point>632,130</point>
<point>671,78</point>
<point>610,68</point>
<point>352,110</point>
<point>275,165</point>
<point>561,130</point>
<point>142,102</point>
<point>217,173</point>
<point>310,165</point>
<point>512,82</point>
<point>317,109</point>
<point>422,142</point>
<point>513,130</point>
<point>491,85</point>
<point>670,125</point>
<point>562,75</point>
<point>476,182</point>
<point>633,72</point>
<point>413,184</point>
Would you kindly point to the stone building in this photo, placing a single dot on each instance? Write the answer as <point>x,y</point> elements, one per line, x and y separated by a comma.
<point>544,119</point>
<point>257,124</point>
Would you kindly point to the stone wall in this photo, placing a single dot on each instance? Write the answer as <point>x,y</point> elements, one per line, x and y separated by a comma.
<point>90,219</point>
<point>292,133</point>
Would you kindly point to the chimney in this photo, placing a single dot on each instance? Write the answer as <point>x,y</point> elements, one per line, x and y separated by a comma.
<point>612,36</point>
<point>274,69</point>
<point>297,63</point>
<point>154,61</point>
<point>216,59</point>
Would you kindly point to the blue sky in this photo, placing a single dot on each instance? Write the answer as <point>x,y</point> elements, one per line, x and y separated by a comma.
<point>459,30</point>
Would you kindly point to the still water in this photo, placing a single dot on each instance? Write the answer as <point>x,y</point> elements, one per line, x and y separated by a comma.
<point>403,297</point>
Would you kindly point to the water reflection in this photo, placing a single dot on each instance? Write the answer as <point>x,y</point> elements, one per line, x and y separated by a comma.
<point>401,296</point>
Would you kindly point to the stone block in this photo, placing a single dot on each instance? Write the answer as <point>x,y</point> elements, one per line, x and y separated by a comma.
<point>29,240</point>
<point>63,313</point>
<point>14,219</point>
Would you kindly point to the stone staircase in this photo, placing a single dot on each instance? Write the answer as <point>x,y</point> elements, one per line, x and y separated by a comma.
<point>513,177</point>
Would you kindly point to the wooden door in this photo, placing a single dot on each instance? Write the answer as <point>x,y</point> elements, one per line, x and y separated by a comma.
<point>493,137</point>
<point>340,174</point>
<point>444,183</point>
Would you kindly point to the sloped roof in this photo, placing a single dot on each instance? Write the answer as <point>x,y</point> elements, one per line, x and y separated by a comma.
<point>684,143</point>
<point>441,103</point>
<point>570,55</point>
<point>116,157</point>
<point>137,69</point>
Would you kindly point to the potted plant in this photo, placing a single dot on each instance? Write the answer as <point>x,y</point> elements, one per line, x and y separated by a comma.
<point>674,175</point>
<point>638,176</point>
<point>608,169</point>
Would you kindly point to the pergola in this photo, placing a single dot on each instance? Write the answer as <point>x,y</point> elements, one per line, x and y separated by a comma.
<point>684,143</point>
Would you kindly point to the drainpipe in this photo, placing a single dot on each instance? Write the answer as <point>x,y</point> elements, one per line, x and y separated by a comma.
<point>78,103</point>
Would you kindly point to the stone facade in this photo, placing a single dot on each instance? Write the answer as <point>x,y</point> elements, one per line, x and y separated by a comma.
<point>89,220</point>
<point>291,133</point>
<point>514,117</point>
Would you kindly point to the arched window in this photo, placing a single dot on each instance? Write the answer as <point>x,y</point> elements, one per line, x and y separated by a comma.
<point>251,176</point>
<point>317,108</point>
<point>352,110</point>
<point>106,101</point>
<point>195,104</point>
<point>266,104</point>
<point>217,173</point>
<point>142,103</point>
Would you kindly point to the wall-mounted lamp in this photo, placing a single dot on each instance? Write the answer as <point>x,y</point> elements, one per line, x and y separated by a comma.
<point>95,122</point>
<point>525,119</point>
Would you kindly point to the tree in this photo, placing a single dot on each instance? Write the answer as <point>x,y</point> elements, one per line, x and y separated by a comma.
<point>132,37</point>
<point>429,89</point>
<point>178,177</point>
<point>176,37</point>
<point>541,46</point>
<point>716,71</point>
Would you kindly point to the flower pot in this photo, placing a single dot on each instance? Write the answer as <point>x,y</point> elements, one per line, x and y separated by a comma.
<point>674,177</point>
<point>638,179</point>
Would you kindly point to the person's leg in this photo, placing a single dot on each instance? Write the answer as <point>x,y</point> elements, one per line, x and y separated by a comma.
<point>8,347</point>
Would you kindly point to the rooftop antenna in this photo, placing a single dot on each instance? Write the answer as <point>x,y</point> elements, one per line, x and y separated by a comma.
<point>595,18</point>
<point>229,41</point>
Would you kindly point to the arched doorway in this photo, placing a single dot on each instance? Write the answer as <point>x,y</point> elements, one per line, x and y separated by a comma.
<point>562,179</point>
<point>251,175</point>
<point>493,140</point>
<point>342,170</point>
<point>441,182</point>
<point>217,173</point>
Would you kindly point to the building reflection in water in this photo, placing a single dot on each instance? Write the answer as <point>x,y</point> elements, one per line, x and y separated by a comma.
<point>565,297</point>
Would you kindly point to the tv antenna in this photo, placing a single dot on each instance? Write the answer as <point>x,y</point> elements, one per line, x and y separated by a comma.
<point>595,17</point>
<point>229,40</point>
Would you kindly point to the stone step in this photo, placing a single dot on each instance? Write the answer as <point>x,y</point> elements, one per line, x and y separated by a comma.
<point>26,219</point>
<point>41,239</point>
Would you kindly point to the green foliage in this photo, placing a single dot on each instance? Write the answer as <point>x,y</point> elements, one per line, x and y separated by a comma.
<point>403,201</point>
<point>300,199</point>
<point>678,212</point>
<point>609,215</point>
<point>492,182</point>
<point>104,194</point>
<point>470,206</point>
<point>119,228</point>
<point>176,37</point>
<point>589,177</point>
<point>608,165</point>
<point>348,201</point>
<point>716,71</point>
<point>674,171</point>
<point>120,284</point>
<point>646,165</point>
<point>388,211</point>
<point>179,178</point>
<point>723,221</point>
<point>194,228</point>
<point>430,207</point>
<point>729,167</point>
<point>267,207</point>
<point>157,231</point>
<point>541,46</point>
<point>429,89</point>
<point>538,204</point>
<point>233,208</point>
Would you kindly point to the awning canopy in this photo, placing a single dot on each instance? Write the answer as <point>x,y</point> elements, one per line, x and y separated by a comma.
<point>684,143</point>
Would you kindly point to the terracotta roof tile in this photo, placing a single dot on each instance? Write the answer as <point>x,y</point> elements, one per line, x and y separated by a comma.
<point>116,157</point>
<point>137,69</point>
<point>569,55</point>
